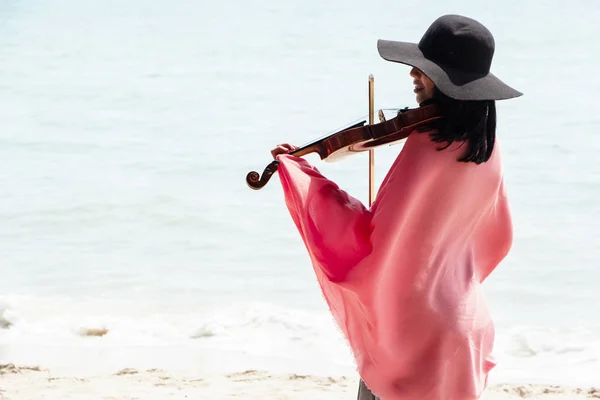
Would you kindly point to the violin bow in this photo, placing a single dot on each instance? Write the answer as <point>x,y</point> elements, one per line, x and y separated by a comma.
<point>371,151</point>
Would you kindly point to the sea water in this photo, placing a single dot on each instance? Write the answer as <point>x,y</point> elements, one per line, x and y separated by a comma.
<point>128,236</point>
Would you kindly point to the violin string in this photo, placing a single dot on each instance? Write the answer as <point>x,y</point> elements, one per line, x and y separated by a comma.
<point>364,118</point>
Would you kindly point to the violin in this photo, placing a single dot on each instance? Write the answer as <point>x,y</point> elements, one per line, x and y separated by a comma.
<point>357,138</point>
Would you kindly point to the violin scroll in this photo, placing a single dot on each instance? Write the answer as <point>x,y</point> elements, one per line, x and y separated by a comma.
<point>256,182</point>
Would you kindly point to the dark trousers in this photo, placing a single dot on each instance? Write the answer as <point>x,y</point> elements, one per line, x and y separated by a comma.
<point>364,393</point>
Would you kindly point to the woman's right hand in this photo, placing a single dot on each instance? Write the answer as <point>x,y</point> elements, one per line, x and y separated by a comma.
<point>283,148</point>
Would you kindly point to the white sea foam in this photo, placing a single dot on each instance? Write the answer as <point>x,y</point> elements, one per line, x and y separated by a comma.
<point>269,332</point>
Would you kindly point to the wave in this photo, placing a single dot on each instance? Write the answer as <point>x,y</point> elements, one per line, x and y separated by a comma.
<point>269,331</point>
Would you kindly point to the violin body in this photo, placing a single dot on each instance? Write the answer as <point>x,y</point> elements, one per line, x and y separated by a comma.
<point>356,138</point>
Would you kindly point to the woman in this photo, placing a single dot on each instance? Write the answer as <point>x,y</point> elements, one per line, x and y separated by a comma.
<point>402,279</point>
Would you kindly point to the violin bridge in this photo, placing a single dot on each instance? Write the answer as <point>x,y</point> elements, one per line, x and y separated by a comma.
<point>381,116</point>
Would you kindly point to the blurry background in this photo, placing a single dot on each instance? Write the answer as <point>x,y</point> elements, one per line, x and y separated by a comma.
<point>128,127</point>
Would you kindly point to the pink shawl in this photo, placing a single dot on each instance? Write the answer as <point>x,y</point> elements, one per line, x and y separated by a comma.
<point>402,279</point>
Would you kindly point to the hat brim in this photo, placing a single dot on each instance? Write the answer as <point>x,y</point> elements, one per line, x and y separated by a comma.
<point>453,83</point>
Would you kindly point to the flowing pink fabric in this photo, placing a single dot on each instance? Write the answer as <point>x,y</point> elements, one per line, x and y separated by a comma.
<point>402,279</point>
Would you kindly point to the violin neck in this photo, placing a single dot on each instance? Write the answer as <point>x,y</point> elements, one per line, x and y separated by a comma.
<point>316,145</point>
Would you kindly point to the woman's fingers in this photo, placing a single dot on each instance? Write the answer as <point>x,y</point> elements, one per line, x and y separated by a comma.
<point>283,148</point>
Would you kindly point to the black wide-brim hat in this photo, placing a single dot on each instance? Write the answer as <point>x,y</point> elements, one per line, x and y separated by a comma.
<point>456,54</point>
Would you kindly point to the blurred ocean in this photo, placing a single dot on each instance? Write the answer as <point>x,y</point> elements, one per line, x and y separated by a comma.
<point>128,127</point>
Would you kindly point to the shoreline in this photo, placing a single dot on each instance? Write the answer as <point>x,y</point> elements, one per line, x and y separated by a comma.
<point>24,382</point>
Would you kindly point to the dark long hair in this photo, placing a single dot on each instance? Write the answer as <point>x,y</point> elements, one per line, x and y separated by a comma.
<point>471,122</point>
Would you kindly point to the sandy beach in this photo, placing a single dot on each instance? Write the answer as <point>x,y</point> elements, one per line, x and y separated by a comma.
<point>31,382</point>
